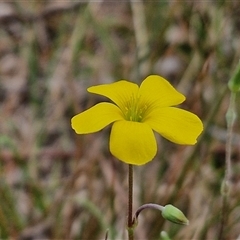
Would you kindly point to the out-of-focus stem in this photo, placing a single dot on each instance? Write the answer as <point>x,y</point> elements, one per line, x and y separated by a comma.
<point>231,117</point>
<point>142,42</point>
<point>226,184</point>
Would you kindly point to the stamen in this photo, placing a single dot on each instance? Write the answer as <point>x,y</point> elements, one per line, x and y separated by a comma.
<point>134,110</point>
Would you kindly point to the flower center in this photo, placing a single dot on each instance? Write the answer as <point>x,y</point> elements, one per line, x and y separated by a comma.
<point>134,110</point>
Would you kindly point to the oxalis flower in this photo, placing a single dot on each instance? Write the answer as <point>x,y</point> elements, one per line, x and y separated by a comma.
<point>136,112</point>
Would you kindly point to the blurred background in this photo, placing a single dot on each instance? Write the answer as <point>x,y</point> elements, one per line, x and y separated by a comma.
<point>55,184</point>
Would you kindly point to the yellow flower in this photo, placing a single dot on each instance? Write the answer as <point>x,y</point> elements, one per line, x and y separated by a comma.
<point>135,113</point>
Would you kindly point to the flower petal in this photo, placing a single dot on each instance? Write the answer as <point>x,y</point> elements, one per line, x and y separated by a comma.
<point>177,125</point>
<point>96,118</point>
<point>119,92</point>
<point>155,91</point>
<point>132,142</point>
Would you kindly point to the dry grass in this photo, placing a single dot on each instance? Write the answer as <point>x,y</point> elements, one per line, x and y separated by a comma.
<point>56,185</point>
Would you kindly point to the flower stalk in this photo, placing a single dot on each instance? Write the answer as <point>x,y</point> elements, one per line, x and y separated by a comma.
<point>169,212</point>
<point>130,202</point>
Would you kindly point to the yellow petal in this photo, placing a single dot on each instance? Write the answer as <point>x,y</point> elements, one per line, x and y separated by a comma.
<point>96,118</point>
<point>119,92</point>
<point>132,142</point>
<point>155,91</point>
<point>177,125</point>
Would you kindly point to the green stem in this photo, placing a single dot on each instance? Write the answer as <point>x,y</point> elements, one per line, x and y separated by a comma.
<point>130,202</point>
